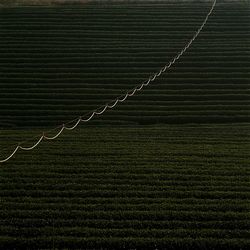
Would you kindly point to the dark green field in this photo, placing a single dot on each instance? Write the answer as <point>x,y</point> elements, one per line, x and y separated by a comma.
<point>157,187</point>
<point>167,169</point>
<point>57,63</point>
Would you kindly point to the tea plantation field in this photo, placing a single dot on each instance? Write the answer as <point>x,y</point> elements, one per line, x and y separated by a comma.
<point>59,62</point>
<point>167,169</point>
<point>154,187</point>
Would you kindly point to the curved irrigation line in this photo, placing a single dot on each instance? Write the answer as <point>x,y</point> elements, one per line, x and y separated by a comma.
<point>111,104</point>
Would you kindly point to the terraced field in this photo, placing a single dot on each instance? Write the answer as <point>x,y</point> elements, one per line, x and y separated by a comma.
<point>168,169</point>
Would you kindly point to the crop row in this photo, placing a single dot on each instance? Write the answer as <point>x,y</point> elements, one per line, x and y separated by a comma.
<point>161,215</point>
<point>124,242</point>
<point>121,187</point>
<point>125,120</point>
<point>59,109</point>
<point>128,232</point>
<point>136,224</point>
<point>184,187</point>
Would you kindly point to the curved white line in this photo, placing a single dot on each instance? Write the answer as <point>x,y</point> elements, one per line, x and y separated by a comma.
<point>32,147</point>
<point>12,154</point>
<point>86,120</point>
<point>122,100</point>
<point>131,94</point>
<point>138,89</point>
<point>100,112</point>
<point>148,81</point>
<point>153,78</point>
<point>164,68</point>
<point>173,61</point>
<point>159,73</point>
<point>55,136</point>
<point>111,106</point>
<point>169,65</point>
<point>73,127</point>
<point>118,100</point>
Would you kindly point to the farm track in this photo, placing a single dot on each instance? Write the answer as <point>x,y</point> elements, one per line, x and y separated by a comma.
<point>184,186</point>
<point>79,58</point>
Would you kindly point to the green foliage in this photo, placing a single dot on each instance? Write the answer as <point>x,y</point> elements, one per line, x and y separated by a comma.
<point>55,67</point>
<point>125,187</point>
<point>185,187</point>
